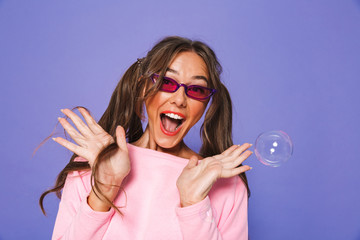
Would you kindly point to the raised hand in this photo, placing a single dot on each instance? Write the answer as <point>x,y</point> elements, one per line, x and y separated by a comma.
<point>91,138</point>
<point>197,178</point>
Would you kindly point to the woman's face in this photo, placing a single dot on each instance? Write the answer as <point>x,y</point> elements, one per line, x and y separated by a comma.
<point>171,115</point>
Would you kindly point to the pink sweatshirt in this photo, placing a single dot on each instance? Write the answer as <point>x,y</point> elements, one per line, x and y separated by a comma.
<point>151,205</point>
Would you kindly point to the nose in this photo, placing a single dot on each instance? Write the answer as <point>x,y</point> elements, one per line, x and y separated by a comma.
<point>179,97</point>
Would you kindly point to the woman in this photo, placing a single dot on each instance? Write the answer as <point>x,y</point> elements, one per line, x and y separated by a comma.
<point>155,186</point>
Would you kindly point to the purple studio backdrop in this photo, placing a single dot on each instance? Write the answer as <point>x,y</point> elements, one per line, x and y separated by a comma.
<point>289,65</point>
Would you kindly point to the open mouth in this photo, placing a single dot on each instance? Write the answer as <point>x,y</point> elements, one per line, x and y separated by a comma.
<point>171,123</point>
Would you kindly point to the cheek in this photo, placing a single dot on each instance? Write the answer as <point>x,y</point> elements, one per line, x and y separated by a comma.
<point>197,110</point>
<point>152,105</point>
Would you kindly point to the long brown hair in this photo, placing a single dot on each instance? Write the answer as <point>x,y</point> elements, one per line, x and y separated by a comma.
<point>126,107</point>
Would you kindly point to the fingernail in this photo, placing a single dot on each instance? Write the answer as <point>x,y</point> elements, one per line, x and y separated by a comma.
<point>251,168</point>
<point>62,110</point>
<point>59,118</point>
<point>250,144</point>
<point>53,139</point>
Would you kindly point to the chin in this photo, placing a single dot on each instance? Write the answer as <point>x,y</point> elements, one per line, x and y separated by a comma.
<point>166,144</point>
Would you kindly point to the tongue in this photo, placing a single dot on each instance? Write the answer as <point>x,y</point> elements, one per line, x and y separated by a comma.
<point>169,124</point>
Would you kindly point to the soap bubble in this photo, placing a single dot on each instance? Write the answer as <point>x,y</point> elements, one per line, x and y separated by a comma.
<point>273,148</point>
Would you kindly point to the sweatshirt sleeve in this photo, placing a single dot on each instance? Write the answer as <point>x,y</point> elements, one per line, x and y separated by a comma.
<point>225,219</point>
<point>75,218</point>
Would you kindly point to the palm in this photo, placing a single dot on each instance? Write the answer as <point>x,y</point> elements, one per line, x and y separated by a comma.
<point>115,168</point>
<point>197,178</point>
<point>91,146</point>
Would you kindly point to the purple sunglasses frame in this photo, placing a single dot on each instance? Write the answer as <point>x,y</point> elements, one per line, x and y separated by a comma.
<point>212,91</point>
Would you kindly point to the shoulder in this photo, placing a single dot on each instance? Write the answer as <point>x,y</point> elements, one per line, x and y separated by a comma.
<point>80,173</point>
<point>78,181</point>
<point>230,184</point>
<point>228,190</point>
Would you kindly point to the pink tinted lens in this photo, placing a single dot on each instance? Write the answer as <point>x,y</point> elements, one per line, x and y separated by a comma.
<point>168,85</point>
<point>198,92</point>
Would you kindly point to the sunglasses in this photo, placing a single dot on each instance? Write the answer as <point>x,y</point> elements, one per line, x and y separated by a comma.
<point>192,91</point>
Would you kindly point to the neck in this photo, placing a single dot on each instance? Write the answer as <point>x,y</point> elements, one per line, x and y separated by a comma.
<point>176,151</point>
<point>146,141</point>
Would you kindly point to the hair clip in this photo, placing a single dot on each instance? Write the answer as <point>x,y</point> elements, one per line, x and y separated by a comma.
<point>139,61</point>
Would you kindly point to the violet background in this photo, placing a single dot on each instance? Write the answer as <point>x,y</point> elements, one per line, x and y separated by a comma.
<point>290,65</point>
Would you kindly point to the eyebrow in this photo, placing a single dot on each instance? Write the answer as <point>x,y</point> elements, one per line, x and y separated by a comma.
<point>200,77</point>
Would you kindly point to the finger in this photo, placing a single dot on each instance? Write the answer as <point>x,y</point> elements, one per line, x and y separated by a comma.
<point>92,124</point>
<point>78,122</point>
<point>236,152</point>
<point>229,150</point>
<point>74,134</point>
<point>193,161</point>
<point>69,145</point>
<point>238,160</point>
<point>121,138</point>
<point>241,148</point>
<point>227,173</point>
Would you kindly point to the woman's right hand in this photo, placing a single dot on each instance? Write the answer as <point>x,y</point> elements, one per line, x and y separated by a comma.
<point>92,139</point>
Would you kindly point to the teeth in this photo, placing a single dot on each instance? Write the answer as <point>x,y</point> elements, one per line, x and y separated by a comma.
<point>174,116</point>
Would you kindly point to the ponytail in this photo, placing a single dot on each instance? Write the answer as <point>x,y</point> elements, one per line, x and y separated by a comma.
<point>217,127</point>
<point>125,106</point>
<point>216,131</point>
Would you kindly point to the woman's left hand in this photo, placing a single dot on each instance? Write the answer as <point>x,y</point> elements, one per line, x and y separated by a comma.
<point>197,178</point>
